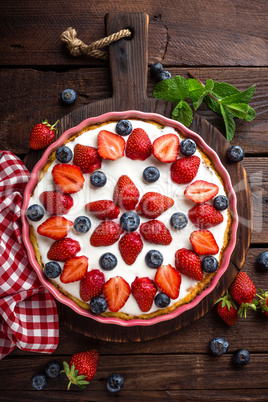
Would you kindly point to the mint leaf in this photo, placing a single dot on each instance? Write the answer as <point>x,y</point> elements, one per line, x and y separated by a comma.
<point>213,104</point>
<point>251,114</point>
<point>222,89</point>
<point>197,91</point>
<point>228,121</point>
<point>241,97</point>
<point>240,110</point>
<point>183,113</point>
<point>172,90</point>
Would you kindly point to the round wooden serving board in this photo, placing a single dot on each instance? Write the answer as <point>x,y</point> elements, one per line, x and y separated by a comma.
<point>129,64</point>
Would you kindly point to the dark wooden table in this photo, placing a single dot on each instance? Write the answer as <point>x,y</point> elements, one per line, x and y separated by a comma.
<point>225,41</point>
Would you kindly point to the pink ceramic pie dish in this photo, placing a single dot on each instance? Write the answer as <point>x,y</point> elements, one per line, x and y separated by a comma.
<point>185,132</point>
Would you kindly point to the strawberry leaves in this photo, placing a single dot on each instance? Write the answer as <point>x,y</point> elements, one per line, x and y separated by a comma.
<point>73,376</point>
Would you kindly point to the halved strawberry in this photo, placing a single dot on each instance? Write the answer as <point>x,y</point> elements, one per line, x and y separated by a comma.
<point>204,242</point>
<point>205,216</point>
<point>103,209</point>
<point>168,279</point>
<point>155,232</point>
<point>68,178</point>
<point>126,195</point>
<point>184,170</point>
<point>166,148</point>
<point>92,284</point>
<point>153,205</point>
<point>201,191</point>
<point>188,263</point>
<point>130,246</point>
<point>110,145</point>
<point>56,227</point>
<point>63,249</point>
<point>116,291</point>
<point>138,145</point>
<point>56,203</point>
<point>106,234</point>
<point>144,290</point>
<point>87,158</point>
<point>74,269</point>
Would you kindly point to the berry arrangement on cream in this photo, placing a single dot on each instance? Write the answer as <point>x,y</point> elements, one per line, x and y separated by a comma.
<point>126,219</point>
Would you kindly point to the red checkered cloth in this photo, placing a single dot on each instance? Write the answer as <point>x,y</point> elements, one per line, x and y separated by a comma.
<point>28,312</point>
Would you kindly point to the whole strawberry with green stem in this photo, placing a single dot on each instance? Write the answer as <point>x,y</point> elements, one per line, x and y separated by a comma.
<point>42,135</point>
<point>227,309</point>
<point>243,291</point>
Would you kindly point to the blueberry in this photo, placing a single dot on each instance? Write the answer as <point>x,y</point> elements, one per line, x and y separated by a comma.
<point>162,300</point>
<point>52,269</point>
<point>209,264</point>
<point>163,75</point>
<point>68,96</point>
<point>39,381</point>
<point>219,345</point>
<point>123,127</point>
<point>151,174</point>
<point>98,305</point>
<point>35,212</point>
<point>156,69</point>
<point>241,357</point>
<point>64,154</point>
<point>235,153</point>
<point>130,221</point>
<point>178,221</point>
<point>98,179</point>
<point>115,383</point>
<point>220,202</point>
<point>82,224</point>
<point>262,260</point>
<point>154,259</point>
<point>53,369</point>
<point>187,147</point>
<point>108,261</point>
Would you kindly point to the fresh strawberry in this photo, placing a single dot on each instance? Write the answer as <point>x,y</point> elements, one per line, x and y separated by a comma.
<point>204,242</point>
<point>126,195</point>
<point>68,178</point>
<point>168,279</point>
<point>91,285</point>
<point>155,232</point>
<point>227,309</point>
<point>184,170</point>
<point>205,216</point>
<point>130,246</point>
<point>103,209</point>
<point>153,205</point>
<point>87,158</point>
<point>138,145</point>
<point>55,228</point>
<point>56,203</point>
<point>188,263</point>
<point>201,191</point>
<point>110,145</point>
<point>144,290</point>
<point>116,291</point>
<point>166,148</point>
<point>243,289</point>
<point>63,249</point>
<point>42,135</point>
<point>106,234</point>
<point>74,269</point>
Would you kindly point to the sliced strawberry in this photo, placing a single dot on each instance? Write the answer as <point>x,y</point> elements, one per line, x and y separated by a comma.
<point>155,232</point>
<point>68,178</point>
<point>74,269</point>
<point>188,263</point>
<point>91,285</point>
<point>56,203</point>
<point>166,148</point>
<point>103,209</point>
<point>63,249</point>
<point>153,205</point>
<point>168,279</point>
<point>126,195</point>
<point>184,170</point>
<point>55,228</point>
<point>106,234</point>
<point>87,158</point>
<point>144,290</point>
<point>205,216</point>
<point>201,191</point>
<point>110,145</point>
<point>138,145</point>
<point>130,246</point>
<point>116,291</point>
<point>204,242</point>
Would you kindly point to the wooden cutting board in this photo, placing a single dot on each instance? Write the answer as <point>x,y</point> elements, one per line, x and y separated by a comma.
<point>129,69</point>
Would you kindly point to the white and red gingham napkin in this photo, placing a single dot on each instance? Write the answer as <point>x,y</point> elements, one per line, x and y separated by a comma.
<point>28,312</point>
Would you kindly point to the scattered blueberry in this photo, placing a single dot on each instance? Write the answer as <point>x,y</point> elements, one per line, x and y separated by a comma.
<point>151,174</point>
<point>154,259</point>
<point>164,75</point>
<point>130,221</point>
<point>39,381</point>
<point>68,96</point>
<point>178,220</point>
<point>219,345</point>
<point>262,260</point>
<point>188,147</point>
<point>235,153</point>
<point>52,269</point>
<point>220,202</point>
<point>64,154</point>
<point>35,212</point>
<point>108,261</point>
<point>115,383</point>
<point>156,69</point>
<point>98,179</point>
<point>53,369</point>
<point>162,300</point>
<point>209,264</point>
<point>241,357</point>
<point>82,224</point>
<point>98,305</point>
<point>123,127</point>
